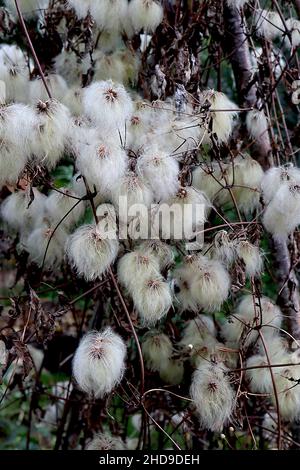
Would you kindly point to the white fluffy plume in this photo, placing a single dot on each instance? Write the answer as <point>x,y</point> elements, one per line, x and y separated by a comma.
<point>153,299</point>
<point>90,253</point>
<point>157,349</point>
<point>145,14</point>
<point>107,104</point>
<point>98,363</point>
<point>213,395</point>
<point>160,171</point>
<point>102,162</point>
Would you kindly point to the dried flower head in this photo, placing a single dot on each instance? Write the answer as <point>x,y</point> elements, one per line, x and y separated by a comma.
<point>136,267</point>
<point>106,442</point>
<point>98,364</point>
<point>90,253</point>
<point>210,285</point>
<point>157,349</point>
<point>52,131</point>
<point>241,328</point>
<point>145,14</point>
<point>152,298</point>
<point>213,396</point>
<point>108,105</point>
<point>172,371</point>
<point>161,251</point>
<point>102,162</point>
<point>251,256</point>
<point>268,24</point>
<point>282,215</point>
<point>160,171</point>
<point>222,111</point>
<point>46,245</point>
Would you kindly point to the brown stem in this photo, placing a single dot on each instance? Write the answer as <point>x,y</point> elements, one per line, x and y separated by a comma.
<point>32,48</point>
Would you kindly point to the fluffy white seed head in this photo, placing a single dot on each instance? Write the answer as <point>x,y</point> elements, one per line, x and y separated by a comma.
<point>275,345</point>
<point>197,330</point>
<point>134,189</point>
<point>69,66</point>
<point>160,250</point>
<point>208,180</point>
<point>157,349</point>
<point>121,66</point>
<point>139,127</point>
<point>102,162</point>
<point>224,248</point>
<point>247,176</point>
<point>136,267</point>
<point>258,373</point>
<point>268,24</point>
<point>211,284</point>
<point>56,84</point>
<point>107,104</point>
<point>106,66</point>
<point>288,391</point>
<point>183,278</point>
<point>256,123</point>
<point>249,314</point>
<point>190,208</point>
<point>11,165</point>
<point>282,215</point>
<point>51,136</point>
<point>44,240</point>
<point>171,371</point>
<point>81,7</point>
<point>211,350</point>
<point>98,364</point>
<point>20,213</point>
<point>14,73</point>
<point>160,171</point>
<point>201,283</point>
<point>59,203</point>
<point>293,25</point>
<point>222,111</point>
<point>17,125</point>
<point>90,253</point>
<point>106,442</point>
<point>145,14</point>
<point>73,100</point>
<point>152,299</point>
<point>251,256</point>
<point>213,396</point>
<point>199,339</point>
<point>109,14</point>
<point>276,177</point>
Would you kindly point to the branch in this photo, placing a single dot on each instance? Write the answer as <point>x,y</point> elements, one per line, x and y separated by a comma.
<point>239,54</point>
<point>24,27</point>
<point>288,298</point>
